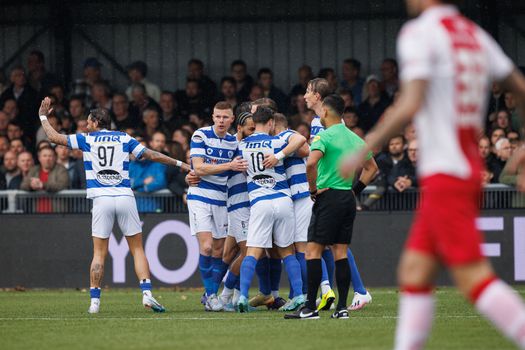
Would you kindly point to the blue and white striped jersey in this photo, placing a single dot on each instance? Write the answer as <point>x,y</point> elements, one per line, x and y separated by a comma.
<point>212,189</point>
<point>295,168</point>
<point>264,184</point>
<point>106,161</point>
<point>315,127</point>
<point>237,190</point>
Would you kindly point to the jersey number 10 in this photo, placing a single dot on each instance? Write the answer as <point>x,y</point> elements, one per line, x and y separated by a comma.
<point>257,161</point>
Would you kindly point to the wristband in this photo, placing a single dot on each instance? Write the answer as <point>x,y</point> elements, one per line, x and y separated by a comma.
<point>359,187</point>
<point>178,163</point>
<point>280,155</point>
<point>43,117</point>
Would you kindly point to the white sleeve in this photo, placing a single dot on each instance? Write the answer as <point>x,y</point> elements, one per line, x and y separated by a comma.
<point>500,66</point>
<point>414,52</point>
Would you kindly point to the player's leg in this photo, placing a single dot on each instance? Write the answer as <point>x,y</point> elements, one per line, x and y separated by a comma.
<point>361,296</point>
<point>342,277</point>
<point>231,250</point>
<point>275,267</point>
<point>129,223</point>
<point>300,250</point>
<point>235,269</point>
<point>303,215</point>
<point>103,218</point>
<point>293,269</point>
<point>493,298</point>
<point>219,267</point>
<point>262,270</point>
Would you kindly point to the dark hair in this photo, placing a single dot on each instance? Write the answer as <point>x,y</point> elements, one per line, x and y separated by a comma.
<point>262,115</point>
<point>230,80</point>
<point>38,54</point>
<point>196,81</point>
<point>140,66</point>
<point>245,107</point>
<point>353,62</point>
<point>401,136</point>
<point>121,94</point>
<point>197,62</point>
<point>266,102</point>
<point>16,123</point>
<point>350,110</point>
<point>343,92</point>
<point>280,119</point>
<point>320,86</point>
<point>40,150</point>
<point>167,92</point>
<point>238,63</point>
<point>264,71</point>
<point>102,117</point>
<point>78,98</point>
<point>335,103</point>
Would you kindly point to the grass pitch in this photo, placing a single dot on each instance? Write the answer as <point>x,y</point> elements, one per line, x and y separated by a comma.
<point>52,319</point>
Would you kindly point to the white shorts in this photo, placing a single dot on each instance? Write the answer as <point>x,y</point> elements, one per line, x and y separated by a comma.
<point>271,221</point>
<point>106,208</point>
<point>238,221</point>
<point>206,217</point>
<point>303,213</point>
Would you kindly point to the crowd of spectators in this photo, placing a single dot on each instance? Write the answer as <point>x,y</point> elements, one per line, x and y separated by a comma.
<point>165,120</point>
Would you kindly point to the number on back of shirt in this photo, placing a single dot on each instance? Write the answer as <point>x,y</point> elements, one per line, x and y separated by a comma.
<point>257,161</point>
<point>105,155</point>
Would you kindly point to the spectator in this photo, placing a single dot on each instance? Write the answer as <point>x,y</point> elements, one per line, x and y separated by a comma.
<point>4,123</point>
<point>207,86</point>
<point>37,75</point>
<point>77,109</point>
<point>347,97</point>
<point>410,132</point>
<point>174,177</point>
<point>64,158</point>
<point>147,177</point>
<point>68,124</point>
<point>265,81</point>
<point>503,120</point>
<point>495,135</point>
<point>304,130</point>
<point>510,105</point>
<point>24,163</point>
<point>120,112</point>
<point>92,73</point>
<point>81,126</point>
<point>304,75</point>
<point>140,101</point>
<point>182,137</point>
<point>191,100</point>
<point>47,176</point>
<point>503,153</point>
<point>496,100</point>
<point>101,94</point>
<point>352,80</point>
<point>10,108</point>
<point>256,93</point>
<point>329,75</point>
<point>4,147</point>
<point>26,100</point>
<point>137,72</point>
<point>169,111</point>
<point>158,142</point>
<point>14,130</point>
<point>151,123</point>
<point>351,121</point>
<point>373,106</point>
<point>514,139</point>
<point>486,155</point>
<point>243,81</point>
<point>389,73</point>
<point>10,171</point>
<point>403,174</point>
<point>303,114</point>
<point>17,146</point>
<point>229,91</point>
<point>60,105</point>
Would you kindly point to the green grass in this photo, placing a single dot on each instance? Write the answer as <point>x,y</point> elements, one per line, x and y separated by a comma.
<point>52,319</point>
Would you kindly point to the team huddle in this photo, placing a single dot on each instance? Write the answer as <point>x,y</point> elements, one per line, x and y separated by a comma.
<point>250,208</point>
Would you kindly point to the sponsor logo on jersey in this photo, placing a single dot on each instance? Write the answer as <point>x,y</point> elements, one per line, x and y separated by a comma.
<point>265,181</point>
<point>109,177</point>
<point>107,138</point>
<point>209,151</point>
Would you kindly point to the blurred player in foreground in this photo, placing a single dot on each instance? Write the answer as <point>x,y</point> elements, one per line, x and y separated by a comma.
<point>106,162</point>
<point>447,65</point>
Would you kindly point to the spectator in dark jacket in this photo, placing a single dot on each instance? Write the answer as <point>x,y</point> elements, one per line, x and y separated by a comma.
<point>207,86</point>
<point>265,80</point>
<point>374,105</point>
<point>403,174</point>
<point>10,171</point>
<point>24,162</point>
<point>243,81</point>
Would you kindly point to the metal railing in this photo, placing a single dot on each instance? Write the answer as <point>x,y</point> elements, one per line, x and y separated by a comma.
<point>75,202</point>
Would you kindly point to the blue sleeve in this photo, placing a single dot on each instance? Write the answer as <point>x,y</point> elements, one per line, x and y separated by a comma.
<point>158,171</point>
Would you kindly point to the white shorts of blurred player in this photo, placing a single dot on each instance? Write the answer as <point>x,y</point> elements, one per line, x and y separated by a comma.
<point>206,217</point>
<point>238,221</point>
<point>303,213</point>
<point>271,221</point>
<point>107,208</point>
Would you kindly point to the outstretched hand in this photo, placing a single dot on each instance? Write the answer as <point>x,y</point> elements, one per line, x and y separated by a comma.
<point>45,107</point>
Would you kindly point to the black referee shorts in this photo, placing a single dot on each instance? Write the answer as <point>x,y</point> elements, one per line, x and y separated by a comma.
<point>333,216</point>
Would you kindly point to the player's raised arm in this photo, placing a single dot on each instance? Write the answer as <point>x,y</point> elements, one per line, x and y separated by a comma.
<point>155,156</point>
<point>53,136</point>
<point>295,142</point>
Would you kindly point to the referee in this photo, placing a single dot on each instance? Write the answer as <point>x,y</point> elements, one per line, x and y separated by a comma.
<point>334,210</point>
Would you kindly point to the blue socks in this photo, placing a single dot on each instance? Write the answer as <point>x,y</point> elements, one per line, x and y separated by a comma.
<point>205,268</point>
<point>145,285</point>
<point>219,269</point>
<point>328,258</point>
<point>357,283</point>
<point>324,271</point>
<point>247,272</point>
<point>94,293</point>
<point>263,274</point>
<point>275,274</point>
<point>293,269</point>
<point>231,280</point>
<point>302,262</point>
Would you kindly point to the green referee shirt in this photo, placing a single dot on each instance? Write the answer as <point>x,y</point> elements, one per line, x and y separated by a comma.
<point>335,142</point>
